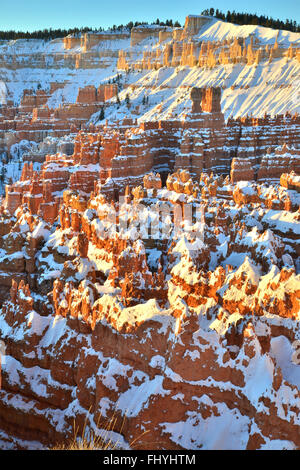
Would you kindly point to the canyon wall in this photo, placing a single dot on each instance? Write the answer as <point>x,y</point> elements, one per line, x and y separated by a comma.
<point>175,307</point>
<point>110,329</point>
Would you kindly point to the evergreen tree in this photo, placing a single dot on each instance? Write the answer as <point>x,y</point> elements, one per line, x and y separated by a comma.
<point>101,117</point>
<point>2,175</point>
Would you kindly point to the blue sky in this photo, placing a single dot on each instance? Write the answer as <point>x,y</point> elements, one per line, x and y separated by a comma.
<point>39,14</point>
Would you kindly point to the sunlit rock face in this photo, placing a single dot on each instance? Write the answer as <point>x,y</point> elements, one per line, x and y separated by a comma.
<point>153,309</point>
<point>149,239</point>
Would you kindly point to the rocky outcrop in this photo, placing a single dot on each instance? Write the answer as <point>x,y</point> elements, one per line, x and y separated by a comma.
<point>241,170</point>
<point>120,322</point>
<point>290,181</point>
<point>139,33</point>
<point>193,23</point>
<point>272,165</point>
<point>183,46</point>
<point>90,94</point>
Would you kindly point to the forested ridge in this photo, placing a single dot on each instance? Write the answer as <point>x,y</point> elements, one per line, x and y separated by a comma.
<point>230,17</point>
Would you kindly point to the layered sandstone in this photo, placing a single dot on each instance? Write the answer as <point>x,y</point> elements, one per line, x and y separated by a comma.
<point>102,303</point>
<point>174,308</point>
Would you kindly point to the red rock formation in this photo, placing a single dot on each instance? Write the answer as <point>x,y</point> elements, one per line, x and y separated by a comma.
<point>290,181</point>
<point>241,170</point>
<point>115,316</point>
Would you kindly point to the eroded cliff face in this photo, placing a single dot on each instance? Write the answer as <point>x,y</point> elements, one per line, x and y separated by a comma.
<point>180,334</point>
<point>219,53</point>
<point>120,153</point>
<point>149,260</point>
